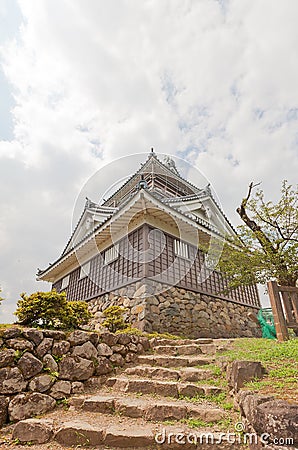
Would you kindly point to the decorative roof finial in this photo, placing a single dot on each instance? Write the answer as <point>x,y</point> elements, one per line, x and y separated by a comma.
<point>208,189</point>
<point>152,152</point>
<point>170,164</point>
<point>87,203</point>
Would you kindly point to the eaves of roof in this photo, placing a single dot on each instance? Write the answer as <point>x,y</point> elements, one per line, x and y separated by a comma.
<point>198,223</point>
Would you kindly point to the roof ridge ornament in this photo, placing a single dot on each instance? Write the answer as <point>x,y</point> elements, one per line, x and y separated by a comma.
<point>87,203</point>
<point>207,189</point>
<point>170,164</point>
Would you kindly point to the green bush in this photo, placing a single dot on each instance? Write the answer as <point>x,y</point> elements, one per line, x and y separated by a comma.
<point>51,310</point>
<point>114,318</point>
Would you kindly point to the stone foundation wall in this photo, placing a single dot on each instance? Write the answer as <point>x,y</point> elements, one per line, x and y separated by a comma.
<point>178,311</point>
<point>39,368</point>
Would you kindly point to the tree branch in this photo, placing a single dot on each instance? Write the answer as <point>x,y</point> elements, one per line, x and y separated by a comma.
<point>266,244</point>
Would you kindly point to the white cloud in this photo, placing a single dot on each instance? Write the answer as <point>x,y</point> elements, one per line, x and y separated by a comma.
<point>213,80</point>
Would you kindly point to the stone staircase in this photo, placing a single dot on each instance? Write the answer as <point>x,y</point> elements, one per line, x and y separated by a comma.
<point>145,406</point>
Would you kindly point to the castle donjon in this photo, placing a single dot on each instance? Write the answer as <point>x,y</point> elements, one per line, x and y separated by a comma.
<point>142,249</point>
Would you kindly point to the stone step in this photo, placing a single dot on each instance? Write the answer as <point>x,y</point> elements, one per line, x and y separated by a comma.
<point>180,350</point>
<point>163,388</point>
<point>161,410</point>
<point>174,361</point>
<point>157,342</point>
<point>186,374</point>
<point>84,433</point>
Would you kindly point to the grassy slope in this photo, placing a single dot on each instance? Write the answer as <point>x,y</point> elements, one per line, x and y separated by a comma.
<point>280,360</point>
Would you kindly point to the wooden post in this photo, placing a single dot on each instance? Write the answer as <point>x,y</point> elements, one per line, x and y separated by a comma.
<point>277,310</point>
<point>295,305</point>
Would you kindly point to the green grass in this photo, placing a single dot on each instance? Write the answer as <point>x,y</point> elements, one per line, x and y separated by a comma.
<point>280,359</point>
<point>264,350</point>
<point>220,400</point>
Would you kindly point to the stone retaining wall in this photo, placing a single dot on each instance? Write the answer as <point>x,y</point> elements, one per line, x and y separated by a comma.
<point>177,311</point>
<point>39,368</point>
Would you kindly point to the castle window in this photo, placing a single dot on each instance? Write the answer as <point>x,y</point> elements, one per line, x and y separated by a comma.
<point>111,254</point>
<point>65,282</point>
<point>181,249</point>
<point>85,270</point>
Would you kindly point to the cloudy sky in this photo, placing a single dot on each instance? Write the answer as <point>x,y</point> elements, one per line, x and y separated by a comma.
<point>84,82</point>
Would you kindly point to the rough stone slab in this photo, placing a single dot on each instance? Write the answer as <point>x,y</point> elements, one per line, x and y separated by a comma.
<point>79,337</point>
<point>165,411</point>
<point>110,338</point>
<point>34,335</point>
<point>178,350</point>
<point>61,389</point>
<point>190,390</point>
<point>134,436</point>
<point>29,365</point>
<point>193,374</point>
<point>44,347</point>
<point>172,361</point>
<point>146,386</point>
<point>99,403</point>
<point>79,433</point>
<point>11,381</point>
<point>3,410</point>
<point>156,342</point>
<point>212,390</point>
<point>103,366</point>
<point>140,407</point>
<point>208,349</point>
<point>200,361</point>
<point>86,350</point>
<point>20,344</point>
<point>77,387</point>
<point>24,406</point>
<point>60,348</point>
<point>41,383</point>
<point>7,357</point>
<point>117,359</point>
<point>54,334</point>
<point>37,431</point>
<point>130,407</point>
<point>207,414</point>
<point>153,372</point>
<point>50,363</point>
<point>76,368</point>
<point>77,402</point>
<point>104,350</point>
<point>239,372</point>
<point>11,333</point>
<point>277,418</point>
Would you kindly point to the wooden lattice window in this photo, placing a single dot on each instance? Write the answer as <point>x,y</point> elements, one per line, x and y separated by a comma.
<point>111,254</point>
<point>181,249</point>
<point>65,282</point>
<point>85,270</point>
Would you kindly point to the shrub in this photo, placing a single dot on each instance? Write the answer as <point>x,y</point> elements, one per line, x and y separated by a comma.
<point>114,318</point>
<point>51,310</point>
